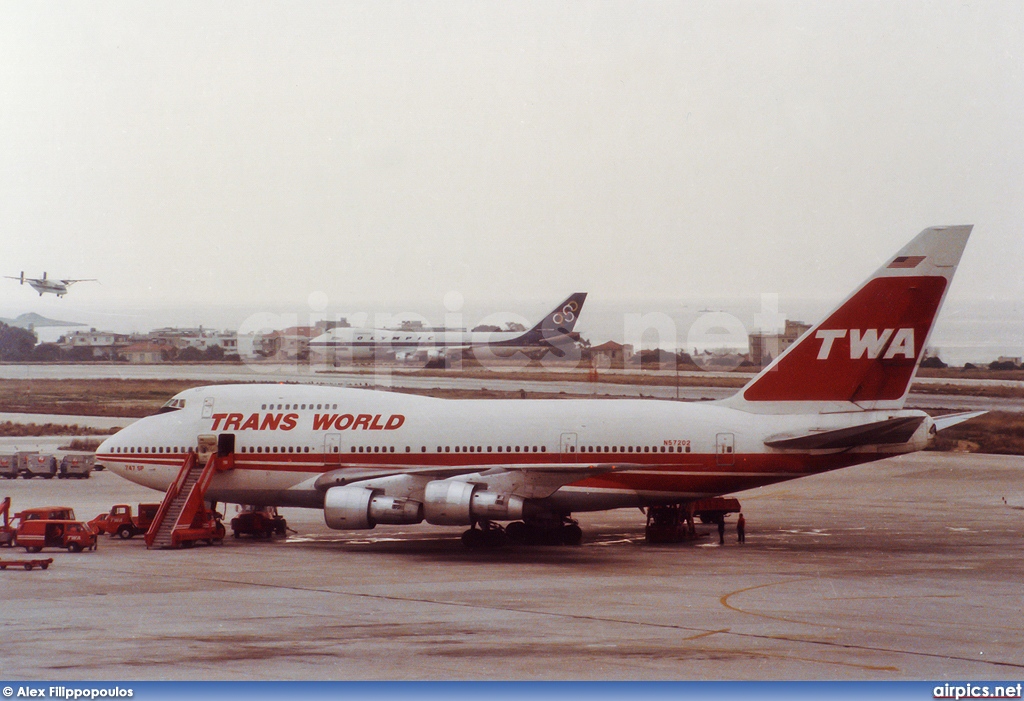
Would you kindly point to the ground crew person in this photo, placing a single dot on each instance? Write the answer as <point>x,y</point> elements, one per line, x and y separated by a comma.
<point>721,530</point>
<point>741,529</point>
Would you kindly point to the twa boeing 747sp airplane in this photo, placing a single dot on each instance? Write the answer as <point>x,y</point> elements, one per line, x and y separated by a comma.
<point>833,399</point>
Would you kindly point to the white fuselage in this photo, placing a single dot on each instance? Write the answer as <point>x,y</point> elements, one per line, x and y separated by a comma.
<point>362,344</point>
<point>286,436</point>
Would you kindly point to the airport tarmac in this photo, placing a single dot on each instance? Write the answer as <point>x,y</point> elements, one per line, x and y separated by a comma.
<point>908,568</point>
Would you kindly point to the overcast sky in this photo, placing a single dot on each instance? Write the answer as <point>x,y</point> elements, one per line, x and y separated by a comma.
<point>255,153</point>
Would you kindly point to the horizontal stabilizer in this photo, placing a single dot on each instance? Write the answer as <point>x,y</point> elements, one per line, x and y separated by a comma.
<point>943,422</point>
<point>885,432</point>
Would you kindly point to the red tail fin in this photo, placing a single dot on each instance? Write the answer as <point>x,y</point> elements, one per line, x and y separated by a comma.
<point>864,354</point>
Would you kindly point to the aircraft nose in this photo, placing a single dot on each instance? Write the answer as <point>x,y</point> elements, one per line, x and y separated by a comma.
<point>106,448</point>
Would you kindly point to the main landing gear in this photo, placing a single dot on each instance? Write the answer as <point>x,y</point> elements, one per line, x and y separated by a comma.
<point>559,531</point>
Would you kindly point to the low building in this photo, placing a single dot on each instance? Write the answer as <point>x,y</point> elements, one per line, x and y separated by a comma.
<point>287,344</point>
<point>145,353</point>
<point>199,338</point>
<point>764,348</point>
<point>611,354</point>
<point>96,345</point>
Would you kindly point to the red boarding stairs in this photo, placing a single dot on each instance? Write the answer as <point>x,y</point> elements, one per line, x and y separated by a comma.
<point>183,518</point>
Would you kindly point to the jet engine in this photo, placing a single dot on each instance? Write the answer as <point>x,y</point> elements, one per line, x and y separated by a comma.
<point>459,503</point>
<point>348,508</point>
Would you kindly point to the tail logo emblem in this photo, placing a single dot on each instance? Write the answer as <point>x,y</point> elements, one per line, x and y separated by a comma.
<point>870,343</point>
<point>568,313</point>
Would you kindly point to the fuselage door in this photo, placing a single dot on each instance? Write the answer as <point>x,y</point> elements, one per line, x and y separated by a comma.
<point>332,449</point>
<point>207,444</point>
<point>208,408</point>
<point>567,447</point>
<point>725,448</point>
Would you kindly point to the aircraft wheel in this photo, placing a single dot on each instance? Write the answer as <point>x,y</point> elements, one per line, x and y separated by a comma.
<point>495,538</point>
<point>572,534</point>
<point>474,538</point>
<point>516,532</point>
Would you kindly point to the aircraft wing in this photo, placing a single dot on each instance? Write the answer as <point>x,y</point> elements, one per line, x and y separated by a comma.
<point>72,282</point>
<point>528,481</point>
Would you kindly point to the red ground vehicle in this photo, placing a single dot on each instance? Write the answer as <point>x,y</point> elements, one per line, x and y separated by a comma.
<point>206,526</point>
<point>122,522</point>
<point>36,534</point>
<point>259,523</point>
<point>52,513</point>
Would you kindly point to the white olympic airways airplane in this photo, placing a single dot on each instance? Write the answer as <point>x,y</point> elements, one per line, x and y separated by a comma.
<point>43,285</point>
<point>360,343</point>
<point>833,399</point>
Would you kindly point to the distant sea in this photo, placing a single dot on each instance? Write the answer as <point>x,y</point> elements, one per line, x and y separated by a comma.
<point>975,331</point>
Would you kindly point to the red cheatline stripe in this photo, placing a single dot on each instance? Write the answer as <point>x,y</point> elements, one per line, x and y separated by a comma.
<point>657,466</point>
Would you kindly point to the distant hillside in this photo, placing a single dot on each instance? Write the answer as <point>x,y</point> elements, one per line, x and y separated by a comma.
<point>33,320</point>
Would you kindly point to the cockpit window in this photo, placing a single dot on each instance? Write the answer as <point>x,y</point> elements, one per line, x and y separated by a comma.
<point>172,405</point>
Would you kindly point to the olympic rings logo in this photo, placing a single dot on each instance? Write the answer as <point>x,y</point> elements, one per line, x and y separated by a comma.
<point>567,315</point>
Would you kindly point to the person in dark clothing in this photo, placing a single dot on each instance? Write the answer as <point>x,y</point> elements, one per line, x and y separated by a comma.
<point>741,529</point>
<point>721,530</point>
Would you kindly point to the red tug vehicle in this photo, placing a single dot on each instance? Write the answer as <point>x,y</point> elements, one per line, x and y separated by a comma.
<point>121,522</point>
